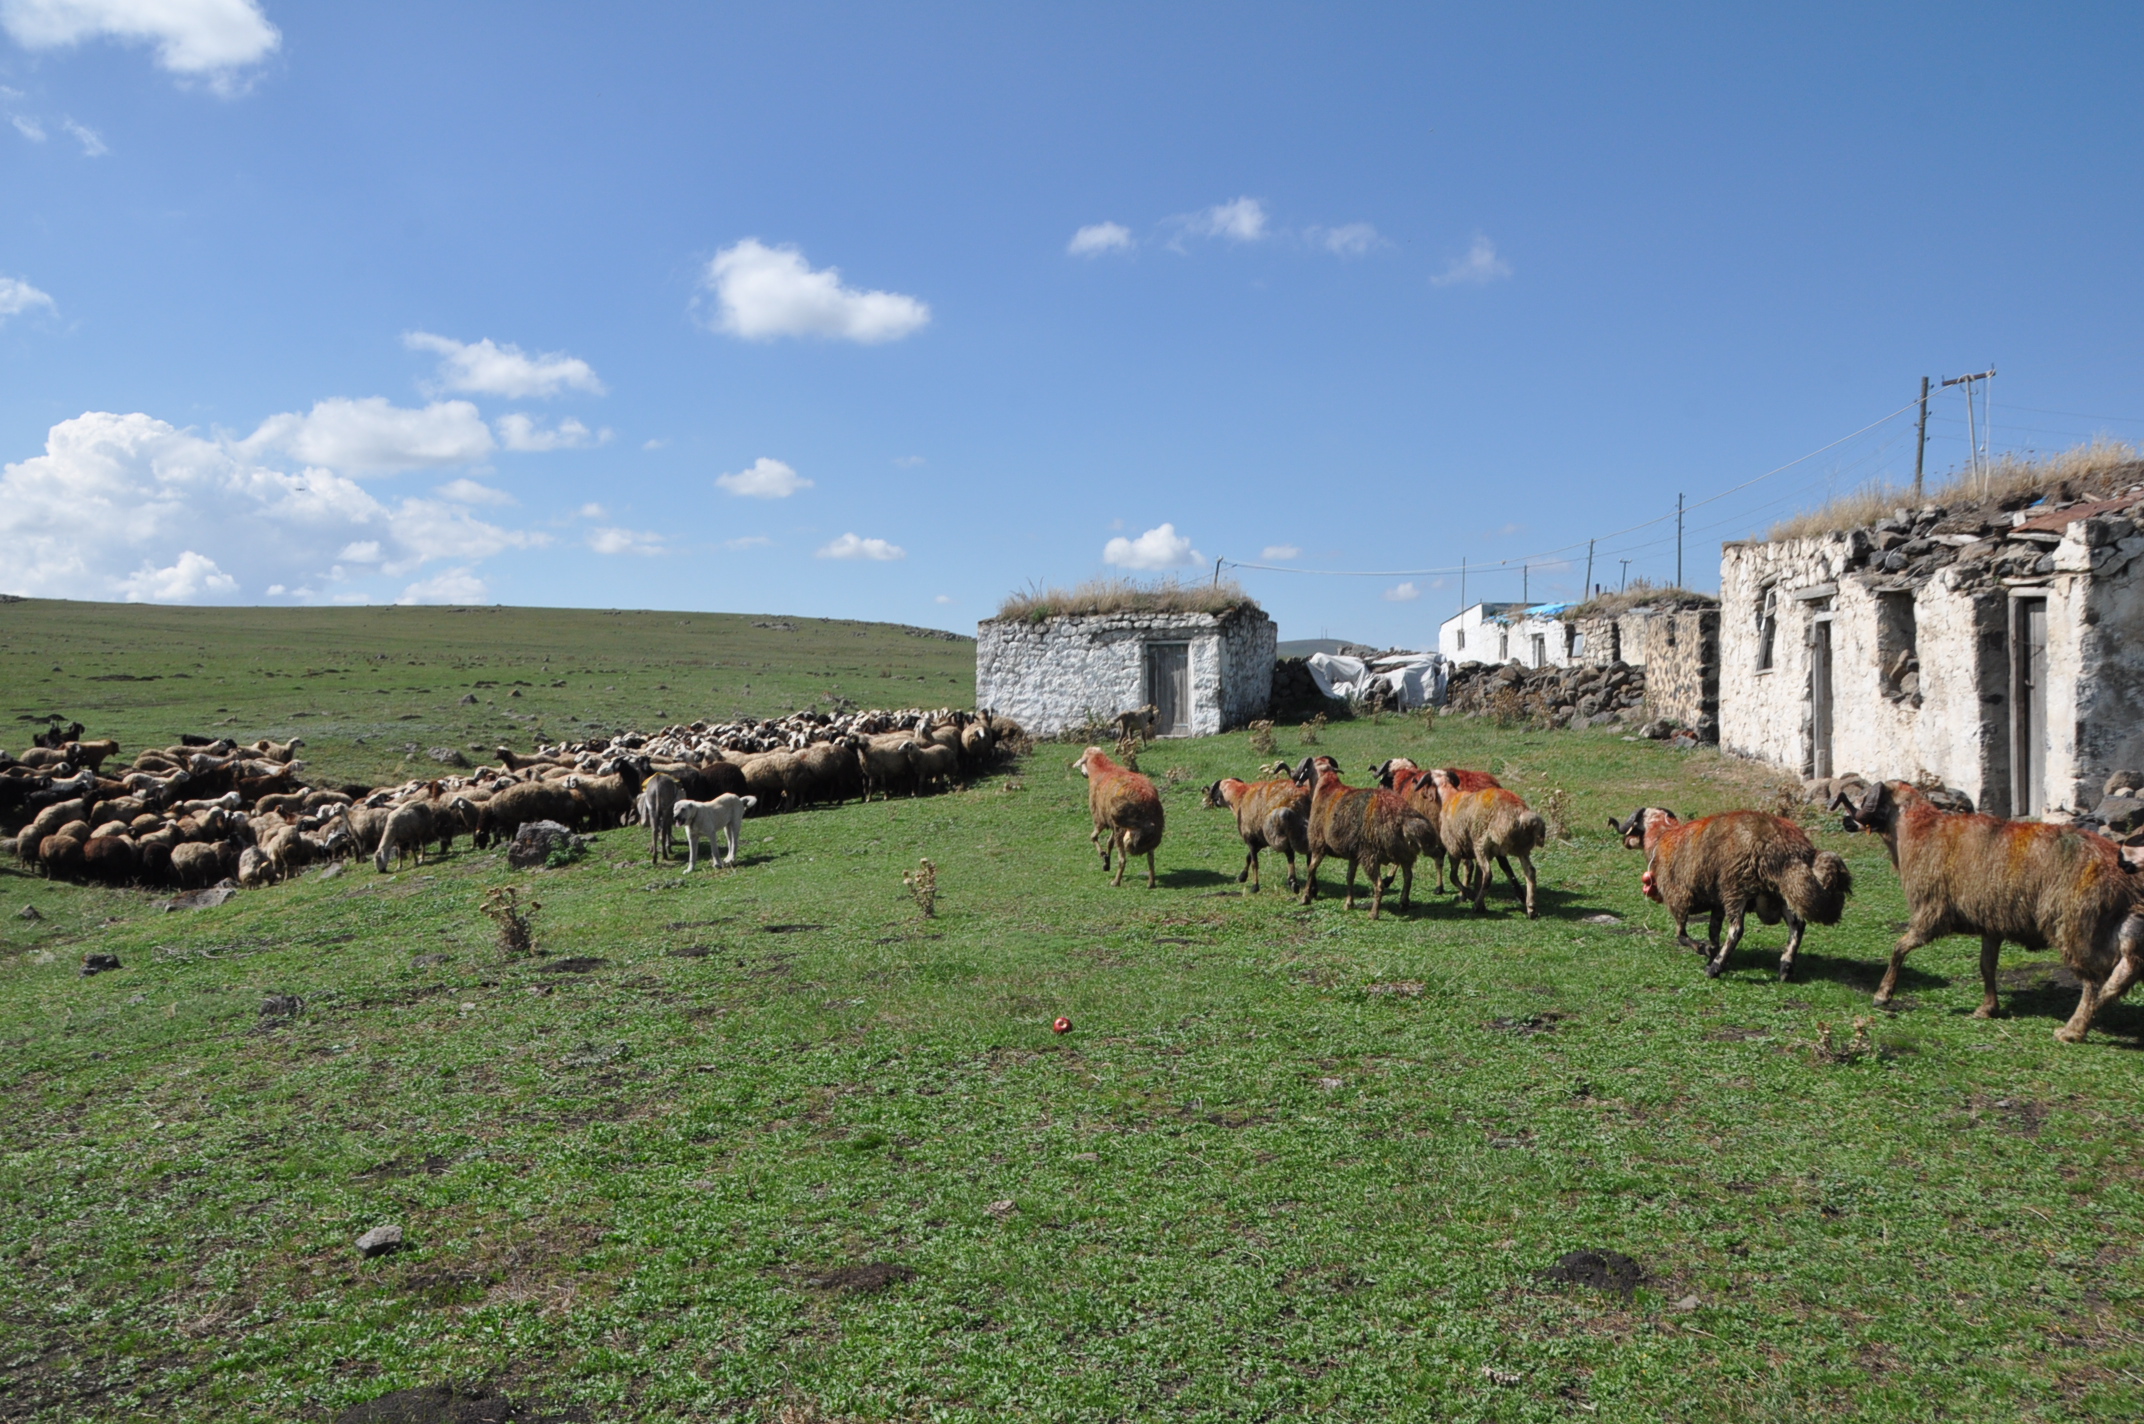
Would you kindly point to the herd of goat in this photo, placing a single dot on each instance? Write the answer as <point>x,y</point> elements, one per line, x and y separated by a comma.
<point>204,812</point>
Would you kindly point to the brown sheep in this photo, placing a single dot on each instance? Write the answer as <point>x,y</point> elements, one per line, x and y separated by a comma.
<point>60,856</point>
<point>934,765</point>
<point>1371,826</point>
<point>91,754</point>
<point>1491,825</point>
<point>409,827</point>
<point>1270,815</point>
<point>1731,864</point>
<point>1127,812</point>
<point>199,863</point>
<point>884,763</point>
<point>2035,885</point>
<point>525,801</point>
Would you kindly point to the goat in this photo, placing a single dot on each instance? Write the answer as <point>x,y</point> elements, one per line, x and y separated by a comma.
<point>1731,864</point>
<point>1127,812</point>
<point>2034,885</point>
<point>658,810</point>
<point>1371,826</point>
<point>1490,824</point>
<point>1271,815</point>
<point>718,822</point>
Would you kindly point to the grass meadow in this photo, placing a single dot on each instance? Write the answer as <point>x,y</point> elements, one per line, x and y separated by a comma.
<point>766,1143</point>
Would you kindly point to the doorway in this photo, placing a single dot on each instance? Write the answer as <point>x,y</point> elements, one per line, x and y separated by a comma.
<point>1168,687</point>
<point>1820,698</point>
<point>2028,706</point>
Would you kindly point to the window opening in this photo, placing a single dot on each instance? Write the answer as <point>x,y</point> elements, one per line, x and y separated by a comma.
<point>1767,628</point>
<point>1898,656</point>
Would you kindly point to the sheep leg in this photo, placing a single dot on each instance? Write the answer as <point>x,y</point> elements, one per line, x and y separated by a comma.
<point>2074,1030</point>
<point>1501,860</point>
<point>1351,863</point>
<point>1737,913</point>
<point>1991,948</point>
<point>1293,883</point>
<point>1250,869</point>
<point>1151,879</point>
<point>1310,875</point>
<point>2118,982</point>
<point>1106,847</point>
<point>1915,936</point>
<point>1483,875</point>
<point>1124,859</point>
<point>1526,863</point>
<point>1406,885</point>
<point>1794,944</point>
<point>1377,890</point>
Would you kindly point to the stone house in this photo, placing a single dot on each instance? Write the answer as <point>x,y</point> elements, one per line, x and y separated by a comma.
<point>1998,651</point>
<point>1204,672</point>
<point>1530,634</point>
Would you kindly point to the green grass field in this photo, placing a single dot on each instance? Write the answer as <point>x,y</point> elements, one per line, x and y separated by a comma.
<point>1287,1163</point>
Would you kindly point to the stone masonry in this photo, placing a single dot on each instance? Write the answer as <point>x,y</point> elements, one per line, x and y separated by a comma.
<point>1058,674</point>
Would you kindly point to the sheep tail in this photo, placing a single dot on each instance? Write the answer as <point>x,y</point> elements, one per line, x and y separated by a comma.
<point>1817,891</point>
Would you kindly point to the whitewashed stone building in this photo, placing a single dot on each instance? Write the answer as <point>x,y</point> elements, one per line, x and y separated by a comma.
<point>2000,653</point>
<point>1529,634</point>
<point>1204,672</point>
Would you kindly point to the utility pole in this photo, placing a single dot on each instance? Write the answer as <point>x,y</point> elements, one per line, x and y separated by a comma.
<point>1216,573</point>
<point>1589,570</point>
<point>1626,576</point>
<point>1526,573</point>
<point>1462,583</point>
<point>1678,541</point>
<point>1972,433</point>
<point>1920,451</point>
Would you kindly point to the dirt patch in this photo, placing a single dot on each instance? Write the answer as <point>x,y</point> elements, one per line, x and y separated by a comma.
<point>692,951</point>
<point>863,1278</point>
<point>2029,977</point>
<point>1603,1270</point>
<point>1737,1035</point>
<point>789,929</point>
<point>443,1404</point>
<point>1531,1025</point>
<point>572,964</point>
<point>2021,1115</point>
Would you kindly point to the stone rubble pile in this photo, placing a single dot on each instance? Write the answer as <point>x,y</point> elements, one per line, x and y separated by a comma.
<point>1574,697</point>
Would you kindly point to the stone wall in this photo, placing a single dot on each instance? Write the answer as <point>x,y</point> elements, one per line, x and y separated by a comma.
<point>1064,673</point>
<point>1682,668</point>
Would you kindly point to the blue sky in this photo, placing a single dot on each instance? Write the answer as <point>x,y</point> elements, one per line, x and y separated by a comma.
<point>788,310</point>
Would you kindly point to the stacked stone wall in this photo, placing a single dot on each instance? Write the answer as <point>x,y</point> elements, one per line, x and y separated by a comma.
<point>1060,674</point>
<point>1682,669</point>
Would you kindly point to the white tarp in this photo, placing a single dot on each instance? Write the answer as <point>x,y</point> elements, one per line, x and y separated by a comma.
<point>1409,680</point>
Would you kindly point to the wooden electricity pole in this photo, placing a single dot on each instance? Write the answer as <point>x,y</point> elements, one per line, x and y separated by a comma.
<point>1920,451</point>
<point>1589,571</point>
<point>1678,541</point>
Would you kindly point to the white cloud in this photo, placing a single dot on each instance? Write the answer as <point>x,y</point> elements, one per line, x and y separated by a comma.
<point>1243,220</point>
<point>18,296</point>
<point>592,511</point>
<point>93,146</point>
<point>1280,551</point>
<point>653,444</point>
<point>467,491</point>
<point>370,434</point>
<point>1098,238</point>
<point>196,39</point>
<point>1404,593</point>
<point>526,435</point>
<point>749,541</point>
<point>624,541</point>
<point>1348,240</point>
<point>848,546</point>
<point>191,577</point>
<point>1158,548</point>
<point>127,506</point>
<point>765,292</point>
<point>454,586</point>
<point>30,129</point>
<point>767,479</point>
<point>909,462</point>
<point>486,368</point>
<point>943,598</point>
<point>1478,268</point>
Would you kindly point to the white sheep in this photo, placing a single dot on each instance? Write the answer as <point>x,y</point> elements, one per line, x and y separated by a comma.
<point>718,821</point>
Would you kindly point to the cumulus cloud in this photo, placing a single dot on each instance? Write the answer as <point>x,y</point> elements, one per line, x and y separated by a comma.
<point>1347,240</point>
<point>128,506</point>
<point>466,491</point>
<point>763,292</point>
<point>1243,220</point>
<point>370,434</point>
<point>17,296</point>
<point>1403,593</point>
<point>527,435</point>
<point>766,479</point>
<point>624,541</point>
<point>453,586</point>
<point>1158,548</point>
<point>209,40</point>
<point>1478,268</point>
<point>848,546</point>
<point>1280,551</point>
<point>193,576</point>
<point>486,368</point>
<point>1098,238</point>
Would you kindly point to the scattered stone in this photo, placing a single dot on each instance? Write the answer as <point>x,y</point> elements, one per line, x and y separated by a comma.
<point>1503,1379</point>
<point>28,912</point>
<point>536,842</point>
<point>468,699</point>
<point>447,756</point>
<point>380,1241</point>
<point>2123,783</point>
<point>1332,1084</point>
<point>1003,1210</point>
<point>1602,1270</point>
<point>2122,814</point>
<point>200,899</point>
<point>1688,1302</point>
<point>99,963</point>
<point>862,1279</point>
<point>282,1006</point>
<point>1603,918</point>
<point>329,871</point>
<point>592,1056</point>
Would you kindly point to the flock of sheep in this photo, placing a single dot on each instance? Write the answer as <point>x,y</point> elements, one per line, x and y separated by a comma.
<point>2034,885</point>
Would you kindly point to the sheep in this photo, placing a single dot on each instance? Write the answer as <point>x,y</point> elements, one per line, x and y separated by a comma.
<point>827,771</point>
<point>254,868</point>
<point>885,766</point>
<point>111,859</point>
<point>91,754</point>
<point>199,863</point>
<point>1127,812</point>
<point>1269,815</point>
<point>766,777</point>
<point>59,856</point>
<point>658,811</point>
<point>2034,885</point>
<point>407,830</point>
<point>717,822</point>
<point>1490,824</point>
<point>277,751</point>
<point>1731,864</point>
<point>524,801</point>
<point>1371,826</point>
<point>933,765</point>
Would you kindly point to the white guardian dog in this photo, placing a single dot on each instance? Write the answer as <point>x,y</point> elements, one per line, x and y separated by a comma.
<point>717,822</point>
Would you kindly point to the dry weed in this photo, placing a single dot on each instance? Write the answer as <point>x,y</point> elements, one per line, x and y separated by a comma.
<point>922,884</point>
<point>1262,739</point>
<point>1114,595</point>
<point>2096,469</point>
<point>515,920</point>
<point>1309,730</point>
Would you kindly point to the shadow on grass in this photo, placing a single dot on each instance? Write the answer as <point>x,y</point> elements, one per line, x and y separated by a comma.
<point>1188,879</point>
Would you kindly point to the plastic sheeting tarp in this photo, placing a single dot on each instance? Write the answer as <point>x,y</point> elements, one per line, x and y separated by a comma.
<point>1408,679</point>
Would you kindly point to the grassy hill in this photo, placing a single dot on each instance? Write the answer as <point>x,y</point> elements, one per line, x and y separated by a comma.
<point>768,1144</point>
<point>364,686</point>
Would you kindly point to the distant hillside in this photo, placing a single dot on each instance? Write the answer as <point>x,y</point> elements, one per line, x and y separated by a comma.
<point>364,685</point>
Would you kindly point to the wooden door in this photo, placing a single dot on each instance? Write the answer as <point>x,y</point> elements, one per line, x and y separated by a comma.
<point>1168,687</point>
<point>1820,697</point>
<point>2028,706</point>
